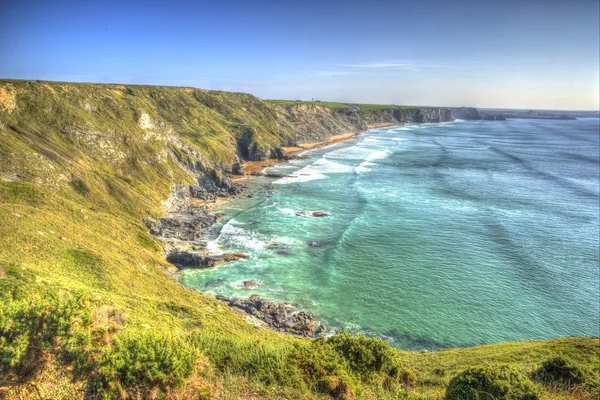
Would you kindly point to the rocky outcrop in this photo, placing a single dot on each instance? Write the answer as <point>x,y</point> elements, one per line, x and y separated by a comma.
<point>185,258</point>
<point>277,316</point>
<point>249,146</point>
<point>251,284</point>
<point>181,229</point>
<point>466,113</point>
<point>316,214</point>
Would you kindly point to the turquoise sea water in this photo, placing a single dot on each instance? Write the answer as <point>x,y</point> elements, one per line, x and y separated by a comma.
<point>440,235</point>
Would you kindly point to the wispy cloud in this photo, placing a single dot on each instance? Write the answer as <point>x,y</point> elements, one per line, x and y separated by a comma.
<point>334,73</point>
<point>408,65</point>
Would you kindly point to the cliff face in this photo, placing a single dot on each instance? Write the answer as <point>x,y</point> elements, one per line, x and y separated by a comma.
<point>313,123</point>
<point>53,131</point>
<point>467,113</point>
<point>50,130</point>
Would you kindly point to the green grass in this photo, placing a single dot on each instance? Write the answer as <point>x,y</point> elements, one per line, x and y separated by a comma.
<point>369,107</point>
<point>77,262</point>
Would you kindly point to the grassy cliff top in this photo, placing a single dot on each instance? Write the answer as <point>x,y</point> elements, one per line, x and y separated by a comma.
<point>340,105</point>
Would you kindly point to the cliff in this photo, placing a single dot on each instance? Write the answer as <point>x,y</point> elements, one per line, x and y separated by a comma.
<point>466,113</point>
<point>50,130</point>
<point>315,123</point>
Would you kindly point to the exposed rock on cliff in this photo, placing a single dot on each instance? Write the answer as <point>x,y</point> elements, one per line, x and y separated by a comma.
<point>467,113</point>
<point>315,123</point>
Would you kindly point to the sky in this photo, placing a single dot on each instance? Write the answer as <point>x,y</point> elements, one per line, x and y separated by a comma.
<point>507,54</point>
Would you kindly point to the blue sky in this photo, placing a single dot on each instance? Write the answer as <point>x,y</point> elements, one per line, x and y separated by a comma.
<point>517,54</point>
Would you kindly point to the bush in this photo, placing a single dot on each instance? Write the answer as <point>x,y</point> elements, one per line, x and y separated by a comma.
<point>241,355</point>
<point>322,368</point>
<point>491,383</point>
<point>30,328</point>
<point>365,356</point>
<point>558,371</point>
<point>143,361</point>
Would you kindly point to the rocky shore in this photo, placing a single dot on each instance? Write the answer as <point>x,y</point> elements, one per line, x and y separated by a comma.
<point>188,214</point>
<point>280,317</point>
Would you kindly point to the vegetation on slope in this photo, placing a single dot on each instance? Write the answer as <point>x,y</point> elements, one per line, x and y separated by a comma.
<point>335,105</point>
<point>85,305</point>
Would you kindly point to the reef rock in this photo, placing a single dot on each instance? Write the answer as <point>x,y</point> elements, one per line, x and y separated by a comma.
<point>278,316</point>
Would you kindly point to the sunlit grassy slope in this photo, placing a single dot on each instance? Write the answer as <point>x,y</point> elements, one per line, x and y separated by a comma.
<point>85,305</point>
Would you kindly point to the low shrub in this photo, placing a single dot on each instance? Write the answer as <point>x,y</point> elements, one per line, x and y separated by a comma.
<point>140,362</point>
<point>558,371</point>
<point>366,356</point>
<point>240,355</point>
<point>491,383</point>
<point>29,328</point>
<point>322,368</point>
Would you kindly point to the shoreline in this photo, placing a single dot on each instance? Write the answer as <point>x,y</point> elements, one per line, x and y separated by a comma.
<point>254,168</point>
<point>261,312</point>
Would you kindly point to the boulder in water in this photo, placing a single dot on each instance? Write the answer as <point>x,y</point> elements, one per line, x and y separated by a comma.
<point>251,284</point>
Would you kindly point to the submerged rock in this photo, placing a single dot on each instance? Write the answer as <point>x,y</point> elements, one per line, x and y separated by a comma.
<point>234,256</point>
<point>318,243</point>
<point>278,316</point>
<point>317,214</point>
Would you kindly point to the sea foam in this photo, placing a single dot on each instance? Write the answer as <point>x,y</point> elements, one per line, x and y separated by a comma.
<point>314,171</point>
<point>234,235</point>
<point>378,155</point>
<point>363,167</point>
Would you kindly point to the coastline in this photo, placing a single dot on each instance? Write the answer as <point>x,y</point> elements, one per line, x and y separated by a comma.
<point>253,168</point>
<point>258,311</point>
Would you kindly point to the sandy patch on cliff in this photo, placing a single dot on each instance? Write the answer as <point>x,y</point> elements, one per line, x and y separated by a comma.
<point>8,98</point>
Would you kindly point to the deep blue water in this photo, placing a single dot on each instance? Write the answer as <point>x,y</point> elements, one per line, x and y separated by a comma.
<point>440,235</point>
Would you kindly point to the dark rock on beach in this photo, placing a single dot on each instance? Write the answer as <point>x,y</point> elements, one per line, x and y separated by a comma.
<point>278,316</point>
<point>272,175</point>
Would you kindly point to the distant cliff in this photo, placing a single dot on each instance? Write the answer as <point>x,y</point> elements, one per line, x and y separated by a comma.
<point>467,113</point>
<point>312,123</point>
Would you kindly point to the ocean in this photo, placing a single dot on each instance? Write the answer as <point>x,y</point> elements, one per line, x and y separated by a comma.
<point>439,235</point>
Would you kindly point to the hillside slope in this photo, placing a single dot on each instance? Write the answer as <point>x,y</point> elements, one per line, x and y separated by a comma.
<point>86,308</point>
